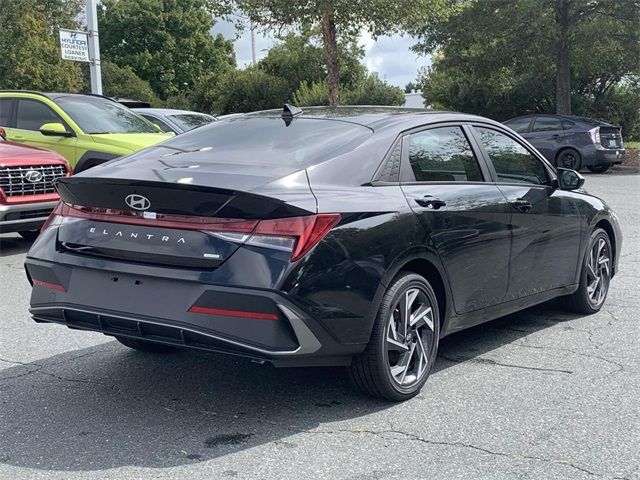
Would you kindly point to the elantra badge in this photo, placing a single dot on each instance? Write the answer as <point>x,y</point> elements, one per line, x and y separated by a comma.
<point>34,176</point>
<point>137,202</point>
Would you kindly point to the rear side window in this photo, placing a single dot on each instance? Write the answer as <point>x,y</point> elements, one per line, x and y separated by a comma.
<point>443,155</point>
<point>33,114</point>
<point>520,125</point>
<point>567,124</point>
<point>5,111</point>
<point>513,163</point>
<point>546,124</point>
<point>256,140</point>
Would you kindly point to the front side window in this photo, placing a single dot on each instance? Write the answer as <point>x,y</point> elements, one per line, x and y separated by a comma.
<point>512,161</point>
<point>546,124</point>
<point>443,155</point>
<point>96,115</point>
<point>32,114</point>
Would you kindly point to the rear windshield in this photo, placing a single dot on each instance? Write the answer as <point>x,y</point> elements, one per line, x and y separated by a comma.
<point>264,140</point>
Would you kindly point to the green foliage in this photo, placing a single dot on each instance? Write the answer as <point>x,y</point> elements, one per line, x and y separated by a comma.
<point>373,91</point>
<point>310,94</point>
<point>497,58</point>
<point>241,91</point>
<point>299,57</point>
<point>410,87</point>
<point>122,82</point>
<point>29,45</point>
<point>337,18</point>
<point>165,42</point>
<point>369,91</point>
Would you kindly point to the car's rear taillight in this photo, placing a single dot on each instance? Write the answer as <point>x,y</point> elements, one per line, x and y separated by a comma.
<point>594,135</point>
<point>57,211</point>
<point>297,234</point>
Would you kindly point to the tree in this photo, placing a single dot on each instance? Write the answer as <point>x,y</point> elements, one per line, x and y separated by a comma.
<point>29,45</point>
<point>498,58</point>
<point>299,57</point>
<point>122,82</point>
<point>338,17</point>
<point>165,42</point>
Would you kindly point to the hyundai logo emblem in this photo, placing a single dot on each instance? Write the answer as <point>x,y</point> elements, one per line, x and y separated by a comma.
<point>137,202</point>
<point>33,176</point>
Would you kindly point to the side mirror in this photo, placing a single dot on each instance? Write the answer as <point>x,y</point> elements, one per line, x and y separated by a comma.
<point>569,179</point>
<point>55,130</point>
<point>3,134</point>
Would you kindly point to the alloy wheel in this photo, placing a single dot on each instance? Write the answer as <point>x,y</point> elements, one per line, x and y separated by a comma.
<point>410,336</point>
<point>598,272</point>
<point>568,160</point>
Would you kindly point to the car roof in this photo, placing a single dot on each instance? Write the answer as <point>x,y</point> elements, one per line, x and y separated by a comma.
<point>379,117</point>
<point>56,95</point>
<point>169,111</point>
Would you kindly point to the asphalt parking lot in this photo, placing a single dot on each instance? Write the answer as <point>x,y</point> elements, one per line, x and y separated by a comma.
<point>537,395</point>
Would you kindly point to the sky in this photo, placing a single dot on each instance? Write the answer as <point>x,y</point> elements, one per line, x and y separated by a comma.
<point>389,56</point>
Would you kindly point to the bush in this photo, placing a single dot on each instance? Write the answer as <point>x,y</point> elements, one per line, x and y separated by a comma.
<point>368,91</point>
<point>308,95</point>
<point>241,91</point>
<point>373,91</point>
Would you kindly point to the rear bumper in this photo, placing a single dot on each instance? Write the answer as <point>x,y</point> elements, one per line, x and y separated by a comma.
<point>603,156</point>
<point>23,217</point>
<point>162,310</point>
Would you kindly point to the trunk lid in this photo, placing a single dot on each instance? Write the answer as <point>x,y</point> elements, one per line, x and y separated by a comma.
<point>175,223</point>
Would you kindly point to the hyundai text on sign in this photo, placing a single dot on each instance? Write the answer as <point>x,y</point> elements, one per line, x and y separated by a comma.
<point>74,45</point>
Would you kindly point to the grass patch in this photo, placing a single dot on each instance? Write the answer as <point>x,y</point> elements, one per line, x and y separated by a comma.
<point>632,145</point>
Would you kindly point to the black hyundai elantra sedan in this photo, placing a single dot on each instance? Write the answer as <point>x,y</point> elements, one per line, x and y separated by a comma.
<point>346,236</point>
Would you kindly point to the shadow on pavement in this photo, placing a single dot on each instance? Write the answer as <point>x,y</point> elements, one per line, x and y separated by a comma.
<point>12,244</point>
<point>106,406</point>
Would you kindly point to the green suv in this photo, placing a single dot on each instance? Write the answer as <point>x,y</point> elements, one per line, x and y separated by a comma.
<point>87,130</point>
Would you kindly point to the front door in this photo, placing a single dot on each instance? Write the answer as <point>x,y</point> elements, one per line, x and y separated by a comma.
<point>545,221</point>
<point>29,117</point>
<point>466,218</point>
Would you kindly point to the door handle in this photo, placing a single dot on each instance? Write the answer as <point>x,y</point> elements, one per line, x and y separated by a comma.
<point>522,205</point>
<point>430,202</point>
<point>555,136</point>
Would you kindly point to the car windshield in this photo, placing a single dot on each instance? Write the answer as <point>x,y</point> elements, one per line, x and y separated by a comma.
<point>267,140</point>
<point>99,115</point>
<point>189,121</point>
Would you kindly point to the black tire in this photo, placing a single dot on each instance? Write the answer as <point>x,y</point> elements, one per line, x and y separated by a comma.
<point>599,168</point>
<point>145,346</point>
<point>29,235</point>
<point>372,370</point>
<point>569,158</point>
<point>582,300</point>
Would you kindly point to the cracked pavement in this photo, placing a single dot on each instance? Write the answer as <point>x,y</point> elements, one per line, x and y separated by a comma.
<point>540,394</point>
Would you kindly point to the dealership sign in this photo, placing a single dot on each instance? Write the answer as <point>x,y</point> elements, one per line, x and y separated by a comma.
<point>74,45</point>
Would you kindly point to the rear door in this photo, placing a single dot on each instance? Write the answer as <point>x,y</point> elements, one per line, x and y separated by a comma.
<point>466,217</point>
<point>545,222</point>
<point>30,115</point>
<point>546,135</point>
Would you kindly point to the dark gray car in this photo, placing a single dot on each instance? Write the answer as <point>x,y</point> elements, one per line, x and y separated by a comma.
<point>572,142</point>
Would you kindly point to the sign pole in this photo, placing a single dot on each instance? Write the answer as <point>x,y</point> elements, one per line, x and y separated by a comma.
<point>94,47</point>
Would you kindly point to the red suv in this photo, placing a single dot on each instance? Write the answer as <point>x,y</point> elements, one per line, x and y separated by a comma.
<point>27,194</point>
